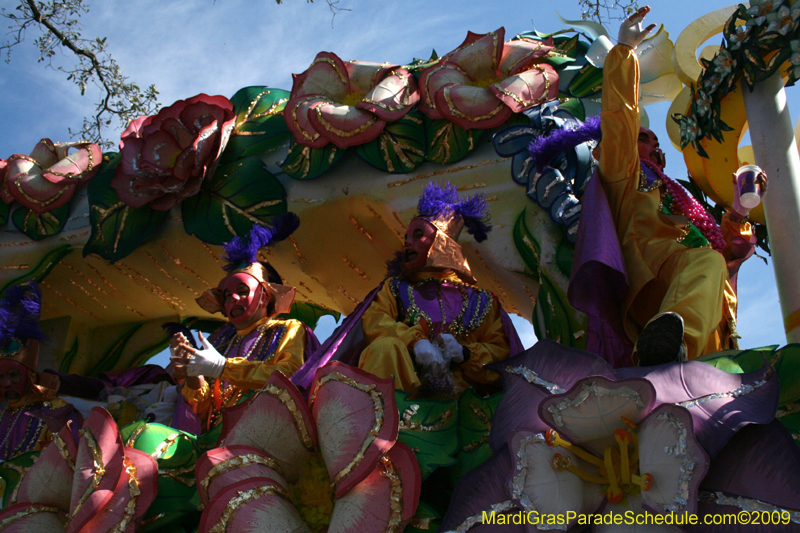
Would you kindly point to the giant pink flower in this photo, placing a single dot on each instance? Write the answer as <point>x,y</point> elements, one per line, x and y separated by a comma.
<point>46,179</point>
<point>347,103</point>
<point>483,81</point>
<point>166,157</point>
<point>332,464</point>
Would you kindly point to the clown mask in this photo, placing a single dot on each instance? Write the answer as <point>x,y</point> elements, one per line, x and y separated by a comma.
<point>13,379</point>
<point>419,239</point>
<point>649,148</point>
<point>244,300</point>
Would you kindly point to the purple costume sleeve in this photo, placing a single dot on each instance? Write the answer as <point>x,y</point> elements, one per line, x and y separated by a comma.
<point>599,281</point>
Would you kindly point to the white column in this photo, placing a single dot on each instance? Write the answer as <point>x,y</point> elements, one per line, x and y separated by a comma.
<point>775,150</point>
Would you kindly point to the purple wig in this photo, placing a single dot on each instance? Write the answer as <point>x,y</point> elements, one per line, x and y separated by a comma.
<point>442,201</point>
<point>244,250</point>
<point>19,314</point>
<point>544,148</point>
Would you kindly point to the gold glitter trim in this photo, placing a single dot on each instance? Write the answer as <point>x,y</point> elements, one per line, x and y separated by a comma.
<point>297,250</point>
<point>165,445</point>
<point>428,96</point>
<point>395,496</point>
<point>408,425</point>
<point>236,462</point>
<point>526,57</point>
<point>341,133</point>
<point>74,236</point>
<point>87,293</point>
<point>170,276</point>
<point>453,109</point>
<point>283,396</point>
<point>98,472</point>
<point>15,267</point>
<point>293,113</point>
<point>343,291</point>
<point>483,417</point>
<point>445,171</point>
<point>182,265</point>
<point>355,268</point>
<point>243,498</point>
<point>359,227</point>
<point>33,509</point>
<point>522,102</point>
<point>378,405</point>
<point>60,295</point>
<point>86,278</point>
<point>62,449</point>
<point>406,90</point>
<point>479,185</point>
<point>134,491</point>
<point>305,200</point>
<point>477,519</point>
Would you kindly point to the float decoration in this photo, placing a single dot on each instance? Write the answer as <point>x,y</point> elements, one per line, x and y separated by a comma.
<point>758,40</point>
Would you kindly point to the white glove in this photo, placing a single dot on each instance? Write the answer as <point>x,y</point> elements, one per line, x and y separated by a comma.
<point>207,362</point>
<point>631,32</point>
<point>451,348</point>
<point>430,357</point>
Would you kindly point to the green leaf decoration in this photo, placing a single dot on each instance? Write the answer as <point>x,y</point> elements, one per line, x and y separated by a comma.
<point>260,127</point>
<point>587,82</point>
<point>210,438</point>
<point>12,472</point>
<point>304,163</point>
<point>400,147</point>
<point>309,314</point>
<point>425,521</point>
<point>5,209</point>
<point>36,226</point>
<point>448,143</point>
<point>240,194</point>
<point>553,317</point>
<point>574,106</point>
<point>69,355</point>
<point>786,361</point>
<point>173,510</point>
<point>475,415</point>
<point>429,427</point>
<point>43,268</point>
<point>111,357</point>
<point>117,228</point>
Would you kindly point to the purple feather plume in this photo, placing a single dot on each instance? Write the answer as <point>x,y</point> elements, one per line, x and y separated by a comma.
<point>19,313</point>
<point>244,250</point>
<point>544,148</point>
<point>442,201</point>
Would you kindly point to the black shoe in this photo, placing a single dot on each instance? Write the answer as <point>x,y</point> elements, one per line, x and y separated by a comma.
<point>661,341</point>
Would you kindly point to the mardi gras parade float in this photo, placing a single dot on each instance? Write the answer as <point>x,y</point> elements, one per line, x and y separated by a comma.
<point>223,229</point>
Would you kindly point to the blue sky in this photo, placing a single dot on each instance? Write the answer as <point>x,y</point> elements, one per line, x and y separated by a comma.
<point>186,48</point>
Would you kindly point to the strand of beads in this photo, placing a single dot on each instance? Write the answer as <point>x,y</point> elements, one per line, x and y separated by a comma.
<point>691,208</point>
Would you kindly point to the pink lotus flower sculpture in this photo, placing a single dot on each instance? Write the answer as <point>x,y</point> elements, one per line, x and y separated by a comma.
<point>347,103</point>
<point>166,157</point>
<point>331,464</point>
<point>92,485</point>
<point>483,81</point>
<point>46,179</point>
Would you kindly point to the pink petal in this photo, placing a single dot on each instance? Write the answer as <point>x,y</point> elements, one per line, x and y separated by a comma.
<point>393,97</point>
<point>134,130</point>
<point>296,114</point>
<point>49,480</point>
<point>356,420</point>
<point>27,186</point>
<point>517,55</point>
<point>81,164</point>
<point>363,75</point>
<point>178,131</point>
<point>222,467</point>
<point>98,438</point>
<point>386,498</point>
<point>205,145</point>
<point>259,501</point>
<point>479,55</point>
<point>4,194</point>
<point>31,518</point>
<point>326,77</point>
<point>345,125</point>
<point>433,80</point>
<point>279,423</point>
<point>44,153</point>
<point>141,471</point>
<point>160,151</point>
<point>530,88</point>
<point>185,167</point>
<point>471,107</point>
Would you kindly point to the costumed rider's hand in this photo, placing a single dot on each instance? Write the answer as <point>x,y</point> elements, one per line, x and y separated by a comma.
<point>451,349</point>
<point>631,32</point>
<point>430,358</point>
<point>206,362</point>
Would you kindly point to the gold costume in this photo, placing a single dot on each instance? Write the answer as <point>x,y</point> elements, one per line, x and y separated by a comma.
<point>664,275</point>
<point>390,342</point>
<point>242,374</point>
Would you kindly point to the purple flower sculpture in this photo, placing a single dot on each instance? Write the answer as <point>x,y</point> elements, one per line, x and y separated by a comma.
<point>575,440</point>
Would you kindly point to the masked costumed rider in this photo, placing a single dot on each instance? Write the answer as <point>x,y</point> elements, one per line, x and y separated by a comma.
<point>430,326</point>
<point>681,265</point>
<point>27,397</point>
<point>243,354</point>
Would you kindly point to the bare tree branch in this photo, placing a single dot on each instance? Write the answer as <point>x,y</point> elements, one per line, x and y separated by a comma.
<point>604,11</point>
<point>58,22</point>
